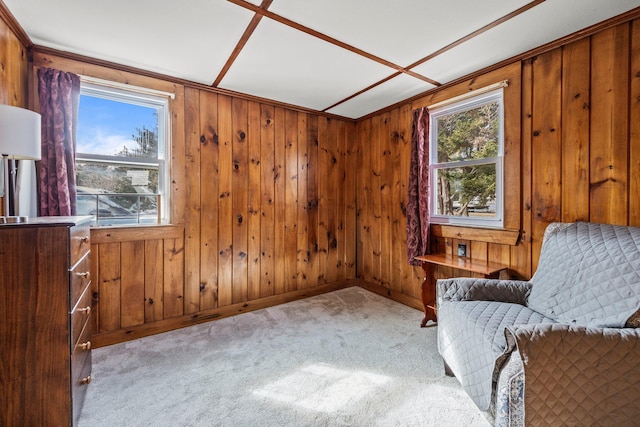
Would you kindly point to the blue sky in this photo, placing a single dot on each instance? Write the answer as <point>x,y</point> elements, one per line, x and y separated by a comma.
<point>105,126</point>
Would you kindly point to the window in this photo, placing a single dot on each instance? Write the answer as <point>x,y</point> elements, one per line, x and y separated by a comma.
<point>466,156</point>
<point>121,152</point>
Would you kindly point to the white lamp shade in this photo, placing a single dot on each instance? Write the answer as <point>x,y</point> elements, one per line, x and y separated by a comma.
<point>19,133</point>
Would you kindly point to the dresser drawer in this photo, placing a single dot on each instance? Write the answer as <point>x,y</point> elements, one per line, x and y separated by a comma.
<point>80,315</point>
<point>80,372</point>
<point>80,243</point>
<point>80,278</point>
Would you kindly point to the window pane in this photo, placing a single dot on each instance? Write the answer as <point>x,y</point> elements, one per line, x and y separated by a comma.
<point>111,209</point>
<point>115,128</point>
<point>466,191</point>
<point>470,134</point>
<point>117,193</point>
<point>99,177</point>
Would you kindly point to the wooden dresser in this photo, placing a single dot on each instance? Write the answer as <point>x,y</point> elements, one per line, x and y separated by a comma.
<point>45,310</point>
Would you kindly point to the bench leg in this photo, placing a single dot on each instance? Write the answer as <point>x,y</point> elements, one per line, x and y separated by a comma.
<point>428,291</point>
<point>447,370</point>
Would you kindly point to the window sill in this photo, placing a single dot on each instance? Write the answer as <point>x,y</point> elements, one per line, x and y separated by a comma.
<point>501,236</point>
<point>135,232</point>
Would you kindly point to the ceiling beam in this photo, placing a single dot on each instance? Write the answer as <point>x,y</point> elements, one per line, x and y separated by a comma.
<point>477,32</point>
<point>243,41</point>
<point>328,39</point>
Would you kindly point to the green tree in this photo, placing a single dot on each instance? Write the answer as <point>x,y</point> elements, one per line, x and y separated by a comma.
<point>463,136</point>
<point>147,147</point>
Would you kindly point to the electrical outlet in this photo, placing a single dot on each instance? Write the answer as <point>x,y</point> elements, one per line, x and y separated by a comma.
<point>462,249</point>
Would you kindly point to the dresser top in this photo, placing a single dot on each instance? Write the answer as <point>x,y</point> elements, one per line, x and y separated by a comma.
<point>46,221</point>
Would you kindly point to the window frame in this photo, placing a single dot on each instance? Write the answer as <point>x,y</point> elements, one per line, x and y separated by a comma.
<point>467,103</point>
<point>142,97</point>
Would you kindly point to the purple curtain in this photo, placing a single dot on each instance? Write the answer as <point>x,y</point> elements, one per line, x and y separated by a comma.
<point>59,94</point>
<point>418,201</point>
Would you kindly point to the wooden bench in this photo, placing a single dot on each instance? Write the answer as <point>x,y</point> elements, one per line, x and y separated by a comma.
<point>488,269</point>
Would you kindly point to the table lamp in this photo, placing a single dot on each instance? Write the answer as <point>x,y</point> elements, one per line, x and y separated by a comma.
<point>19,140</point>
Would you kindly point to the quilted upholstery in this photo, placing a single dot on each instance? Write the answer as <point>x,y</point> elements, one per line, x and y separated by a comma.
<point>480,326</point>
<point>553,350</point>
<point>588,274</point>
<point>577,375</point>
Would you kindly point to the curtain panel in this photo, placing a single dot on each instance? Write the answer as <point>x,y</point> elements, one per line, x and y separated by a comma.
<point>418,188</point>
<point>59,94</point>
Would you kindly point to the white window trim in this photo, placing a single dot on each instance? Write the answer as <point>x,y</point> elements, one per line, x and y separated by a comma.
<point>492,93</point>
<point>144,97</point>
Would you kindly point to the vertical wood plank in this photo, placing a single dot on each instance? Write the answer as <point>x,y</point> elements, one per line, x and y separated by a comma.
<point>546,149</point>
<point>153,280</point>
<point>314,174</point>
<point>512,149</point>
<point>324,164</point>
<point>576,58</point>
<point>109,287</point>
<point>178,196</point>
<point>376,201</point>
<point>609,148</point>
<point>291,201</point>
<point>240,185</point>
<point>267,205</point>
<point>173,277</point>
<point>521,254</point>
<point>210,196</point>
<point>132,284</point>
<point>386,201</point>
<point>331,197</point>
<point>411,277</point>
<point>280,202</point>
<point>398,277</point>
<point>350,170</point>
<point>192,209</point>
<point>225,201</point>
<point>254,216</point>
<point>365,213</point>
<point>634,132</point>
<point>340,211</point>
<point>303,252</point>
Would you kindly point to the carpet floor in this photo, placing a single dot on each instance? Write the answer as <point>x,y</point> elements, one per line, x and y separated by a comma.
<point>346,358</point>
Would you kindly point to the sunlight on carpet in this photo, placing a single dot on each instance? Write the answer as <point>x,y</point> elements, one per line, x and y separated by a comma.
<point>322,387</point>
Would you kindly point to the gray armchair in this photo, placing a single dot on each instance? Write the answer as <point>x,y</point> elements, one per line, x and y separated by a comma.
<point>559,349</point>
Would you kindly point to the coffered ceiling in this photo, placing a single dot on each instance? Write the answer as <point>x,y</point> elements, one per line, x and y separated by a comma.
<point>345,57</point>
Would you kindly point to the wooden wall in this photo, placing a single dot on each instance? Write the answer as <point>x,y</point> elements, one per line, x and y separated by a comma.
<point>263,197</point>
<point>576,157</point>
<point>13,72</point>
<point>263,211</point>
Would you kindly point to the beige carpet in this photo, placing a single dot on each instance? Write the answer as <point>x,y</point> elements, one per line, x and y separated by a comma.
<point>347,358</point>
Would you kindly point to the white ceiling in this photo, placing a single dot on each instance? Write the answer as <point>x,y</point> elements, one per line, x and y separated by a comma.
<point>310,53</point>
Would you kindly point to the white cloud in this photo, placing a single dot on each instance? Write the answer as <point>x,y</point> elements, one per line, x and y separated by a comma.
<point>102,141</point>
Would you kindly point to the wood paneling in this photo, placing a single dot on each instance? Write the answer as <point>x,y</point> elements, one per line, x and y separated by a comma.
<point>572,153</point>
<point>271,203</point>
<point>260,198</point>
<point>13,73</point>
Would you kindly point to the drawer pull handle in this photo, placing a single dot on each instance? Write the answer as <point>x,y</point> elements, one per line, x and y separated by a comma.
<point>85,310</point>
<point>84,275</point>
<point>84,239</point>
<point>86,380</point>
<point>86,346</point>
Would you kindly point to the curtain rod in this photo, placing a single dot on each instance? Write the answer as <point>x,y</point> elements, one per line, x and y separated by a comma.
<point>473,93</point>
<point>128,87</point>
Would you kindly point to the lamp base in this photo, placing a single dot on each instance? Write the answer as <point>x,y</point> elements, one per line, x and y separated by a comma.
<point>13,219</point>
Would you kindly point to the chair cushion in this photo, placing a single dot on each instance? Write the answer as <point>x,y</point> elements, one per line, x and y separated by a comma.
<point>474,338</point>
<point>588,275</point>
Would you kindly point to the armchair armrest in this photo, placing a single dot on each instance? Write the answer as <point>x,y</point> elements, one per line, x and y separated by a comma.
<point>473,289</point>
<point>576,375</point>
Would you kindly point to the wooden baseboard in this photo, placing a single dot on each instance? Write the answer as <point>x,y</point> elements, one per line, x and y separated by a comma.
<point>128,334</point>
<point>391,294</point>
